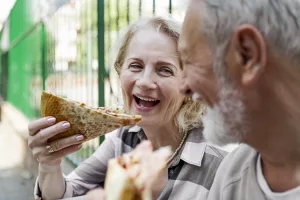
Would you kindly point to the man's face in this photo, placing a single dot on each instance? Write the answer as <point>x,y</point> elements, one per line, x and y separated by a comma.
<point>197,61</point>
<point>205,75</point>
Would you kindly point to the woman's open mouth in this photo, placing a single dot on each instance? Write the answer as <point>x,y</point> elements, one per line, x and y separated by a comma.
<point>143,102</point>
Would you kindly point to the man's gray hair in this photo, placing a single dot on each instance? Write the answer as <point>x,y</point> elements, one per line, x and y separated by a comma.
<point>277,20</point>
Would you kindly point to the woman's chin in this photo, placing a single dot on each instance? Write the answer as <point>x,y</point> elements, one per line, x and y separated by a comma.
<point>148,118</point>
<point>146,122</point>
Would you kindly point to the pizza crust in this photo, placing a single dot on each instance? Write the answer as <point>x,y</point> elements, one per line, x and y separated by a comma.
<point>90,122</point>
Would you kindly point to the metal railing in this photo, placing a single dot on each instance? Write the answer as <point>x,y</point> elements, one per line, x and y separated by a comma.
<point>71,68</point>
<point>74,44</point>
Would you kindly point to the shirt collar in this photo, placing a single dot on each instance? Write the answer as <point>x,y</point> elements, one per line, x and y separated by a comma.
<point>140,133</point>
<point>192,151</point>
<point>134,129</point>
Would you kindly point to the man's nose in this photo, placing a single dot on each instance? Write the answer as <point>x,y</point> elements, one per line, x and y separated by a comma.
<point>184,88</point>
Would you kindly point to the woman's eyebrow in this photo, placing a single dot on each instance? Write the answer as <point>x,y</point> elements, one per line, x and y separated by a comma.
<point>134,58</point>
<point>159,62</point>
<point>164,63</point>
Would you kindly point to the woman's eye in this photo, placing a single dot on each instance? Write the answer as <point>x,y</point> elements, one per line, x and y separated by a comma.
<point>165,71</point>
<point>135,67</point>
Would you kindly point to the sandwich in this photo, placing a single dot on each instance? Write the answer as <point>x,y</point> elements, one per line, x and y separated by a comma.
<point>85,120</point>
<point>133,175</point>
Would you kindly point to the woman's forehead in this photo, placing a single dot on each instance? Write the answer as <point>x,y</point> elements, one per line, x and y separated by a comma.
<point>153,39</point>
<point>150,43</point>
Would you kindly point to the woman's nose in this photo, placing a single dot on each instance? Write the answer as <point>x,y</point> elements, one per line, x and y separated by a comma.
<point>145,82</point>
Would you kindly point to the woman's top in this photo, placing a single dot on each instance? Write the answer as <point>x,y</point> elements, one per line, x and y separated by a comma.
<point>190,174</point>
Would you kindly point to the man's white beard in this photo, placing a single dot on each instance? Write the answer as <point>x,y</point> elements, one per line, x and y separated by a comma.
<point>227,122</point>
<point>219,130</point>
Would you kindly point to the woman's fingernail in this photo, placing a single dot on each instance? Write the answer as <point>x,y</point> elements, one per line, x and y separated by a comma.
<point>79,137</point>
<point>51,120</point>
<point>66,125</point>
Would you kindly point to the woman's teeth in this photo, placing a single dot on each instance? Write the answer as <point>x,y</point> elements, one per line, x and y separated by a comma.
<point>144,102</point>
<point>146,99</point>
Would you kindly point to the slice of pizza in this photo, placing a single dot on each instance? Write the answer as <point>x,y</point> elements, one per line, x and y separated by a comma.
<point>132,176</point>
<point>85,120</point>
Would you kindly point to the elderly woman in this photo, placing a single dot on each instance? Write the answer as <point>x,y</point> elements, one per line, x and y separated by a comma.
<point>148,65</point>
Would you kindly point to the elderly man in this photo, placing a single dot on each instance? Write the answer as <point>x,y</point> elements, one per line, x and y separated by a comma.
<point>242,58</point>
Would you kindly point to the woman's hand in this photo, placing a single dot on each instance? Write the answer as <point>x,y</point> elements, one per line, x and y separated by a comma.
<point>51,154</point>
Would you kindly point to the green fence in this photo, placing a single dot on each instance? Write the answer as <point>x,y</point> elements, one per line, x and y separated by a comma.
<point>63,47</point>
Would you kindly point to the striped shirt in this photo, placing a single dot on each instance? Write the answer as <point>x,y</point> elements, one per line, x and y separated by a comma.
<point>191,173</point>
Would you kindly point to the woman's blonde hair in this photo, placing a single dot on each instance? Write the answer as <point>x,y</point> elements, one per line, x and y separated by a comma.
<point>190,113</point>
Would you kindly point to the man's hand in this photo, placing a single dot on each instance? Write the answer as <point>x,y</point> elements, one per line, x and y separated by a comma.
<point>96,194</point>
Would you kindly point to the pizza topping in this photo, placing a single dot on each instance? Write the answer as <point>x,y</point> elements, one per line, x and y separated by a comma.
<point>118,112</point>
<point>112,110</point>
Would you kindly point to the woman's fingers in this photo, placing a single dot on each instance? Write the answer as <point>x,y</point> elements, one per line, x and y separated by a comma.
<point>35,126</point>
<point>51,131</point>
<point>52,158</point>
<point>53,152</point>
<point>64,152</point>
<point>66,142</point>
<point>40,138</point>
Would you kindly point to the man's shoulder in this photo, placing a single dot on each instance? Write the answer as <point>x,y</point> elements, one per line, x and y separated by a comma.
<point>236,164</point>
<point>236,176</point>
<point>240,159</point>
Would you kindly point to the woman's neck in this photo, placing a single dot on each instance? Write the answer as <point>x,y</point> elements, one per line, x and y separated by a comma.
<point>163,136</point>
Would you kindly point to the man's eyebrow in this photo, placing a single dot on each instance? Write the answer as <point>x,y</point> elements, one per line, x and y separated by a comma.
<point>182,51</point>
<point>180,63</point>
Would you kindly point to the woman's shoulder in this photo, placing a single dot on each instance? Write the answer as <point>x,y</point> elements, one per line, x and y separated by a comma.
<point>125,138</point>
<point>196,136</point>
<point>200,153</point>
<point>124,132</point>
<point>216,151</point>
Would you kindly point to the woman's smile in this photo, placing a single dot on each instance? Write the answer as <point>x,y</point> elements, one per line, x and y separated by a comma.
<point>145,104</point>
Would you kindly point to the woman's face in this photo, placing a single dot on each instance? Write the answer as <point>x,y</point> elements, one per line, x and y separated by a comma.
<point>150,78</point>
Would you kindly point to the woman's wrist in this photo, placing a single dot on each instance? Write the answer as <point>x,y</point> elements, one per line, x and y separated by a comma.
<point>49,168</point>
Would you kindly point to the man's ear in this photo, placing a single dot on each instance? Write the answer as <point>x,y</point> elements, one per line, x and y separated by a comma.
<point>251,50</point>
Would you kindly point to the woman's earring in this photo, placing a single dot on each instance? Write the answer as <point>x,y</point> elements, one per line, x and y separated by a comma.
<point>187,99</point>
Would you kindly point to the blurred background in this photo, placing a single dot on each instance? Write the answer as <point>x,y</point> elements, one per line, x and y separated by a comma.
<point>61,46</point>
